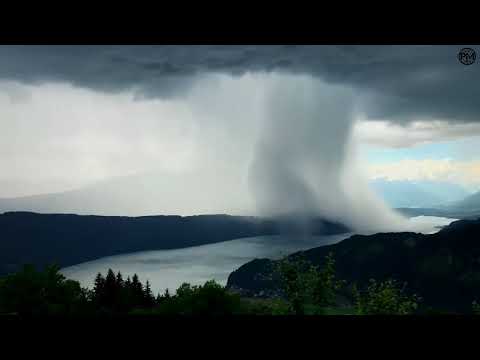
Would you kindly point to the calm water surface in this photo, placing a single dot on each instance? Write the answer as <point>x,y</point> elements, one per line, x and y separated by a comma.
<point>195,265</point>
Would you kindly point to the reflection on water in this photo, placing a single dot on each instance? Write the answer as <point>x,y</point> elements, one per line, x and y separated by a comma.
<point>195,265</point>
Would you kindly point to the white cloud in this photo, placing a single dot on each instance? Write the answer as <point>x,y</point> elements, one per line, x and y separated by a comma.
<point>56,137</point>
<point>61,134</point>
<point>466,173</point>
<point>391,135</point>
<point>198,149</point>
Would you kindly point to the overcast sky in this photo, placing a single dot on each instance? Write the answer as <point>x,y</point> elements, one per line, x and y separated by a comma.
<point>71,116</point>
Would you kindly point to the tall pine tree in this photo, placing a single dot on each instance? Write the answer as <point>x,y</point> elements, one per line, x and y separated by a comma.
<point>119,280</point>
<point>111,290</point>
<point>149,299</point>
<point>137,291</point>
<point>98,289</point>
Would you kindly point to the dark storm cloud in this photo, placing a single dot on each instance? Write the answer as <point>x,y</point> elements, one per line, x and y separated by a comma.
<point>395,82</point>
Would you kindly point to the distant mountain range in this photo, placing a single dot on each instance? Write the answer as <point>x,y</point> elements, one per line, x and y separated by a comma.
<point>41,239</point>
<point>471,203</point>
<point>430,198</point>
<point>423,194</point>
<point>467,208</point>
<point>443,268</point>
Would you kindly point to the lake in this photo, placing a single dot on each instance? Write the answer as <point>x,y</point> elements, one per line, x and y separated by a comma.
<point>195,265</point>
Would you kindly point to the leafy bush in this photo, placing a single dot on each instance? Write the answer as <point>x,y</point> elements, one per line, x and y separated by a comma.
<point>385,298</point>
<point>208,299</point>
<point>304,284</point>
<point>475,308</point>
<point>31,292</point>
<point>265,307</point>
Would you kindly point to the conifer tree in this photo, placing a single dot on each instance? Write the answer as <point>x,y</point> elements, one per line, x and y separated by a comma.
<point>137,291</point>
<point>119,280</point>
<point>98,288</point>
<point>148,296</point>
<point>110,289</point>
<point>128,293</point>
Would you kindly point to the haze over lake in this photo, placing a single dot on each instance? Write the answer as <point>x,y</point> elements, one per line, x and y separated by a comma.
<point>195,265</point>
